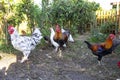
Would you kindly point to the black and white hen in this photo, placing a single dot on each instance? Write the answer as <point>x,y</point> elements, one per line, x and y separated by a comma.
<point>24,43</point>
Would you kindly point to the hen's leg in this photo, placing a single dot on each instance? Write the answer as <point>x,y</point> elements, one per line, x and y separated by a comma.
<point>26,54</point>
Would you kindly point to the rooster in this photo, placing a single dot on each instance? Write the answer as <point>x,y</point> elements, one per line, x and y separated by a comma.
<point>102,49</point>
<point>70,38</point>
<point>24,43</point>
<point>59,38</point>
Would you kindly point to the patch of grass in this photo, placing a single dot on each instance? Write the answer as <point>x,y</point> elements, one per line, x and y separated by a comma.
<point>76,45</point>
<point>75,50</point>
<point>70,56</point>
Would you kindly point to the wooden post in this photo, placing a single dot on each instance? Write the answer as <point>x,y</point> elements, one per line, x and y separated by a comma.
<point>118,20</point>
<point>118,16</point>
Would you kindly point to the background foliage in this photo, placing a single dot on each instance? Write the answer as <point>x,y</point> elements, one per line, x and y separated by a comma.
<point>71,14</point>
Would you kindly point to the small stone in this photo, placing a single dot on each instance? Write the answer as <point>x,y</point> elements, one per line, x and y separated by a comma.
<point>21,75</point>
<point>100,71</point>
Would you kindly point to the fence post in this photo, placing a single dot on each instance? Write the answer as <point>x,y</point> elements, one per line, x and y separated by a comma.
<point>118,15</point>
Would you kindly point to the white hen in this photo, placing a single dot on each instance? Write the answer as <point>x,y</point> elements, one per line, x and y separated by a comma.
<point>24,43</point>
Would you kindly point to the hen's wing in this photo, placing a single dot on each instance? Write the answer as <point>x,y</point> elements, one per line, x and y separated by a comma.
<point>23,43</point>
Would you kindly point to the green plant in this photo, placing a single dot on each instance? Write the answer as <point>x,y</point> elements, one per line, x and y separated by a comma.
<point>97,36</point>
<point>108,27</point>
<point>100,33</point>
<point>7,48</point>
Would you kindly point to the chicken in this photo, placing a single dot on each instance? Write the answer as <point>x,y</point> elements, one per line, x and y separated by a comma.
<point>102,49</point>
<point>24,43</point>
<point>70,38</point>
<point>58,39</point>
<point>62,36</point>
<point>23,33</point>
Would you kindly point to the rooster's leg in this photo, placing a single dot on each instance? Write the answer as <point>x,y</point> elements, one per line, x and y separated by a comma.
<point>99,62</point>
<point>64,45</point>
<point>26,54</point>
<point>60,53</point>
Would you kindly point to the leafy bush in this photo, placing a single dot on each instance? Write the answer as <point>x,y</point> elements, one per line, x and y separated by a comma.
<point>97,36</point>
<point>108,27</point>
<point>68,13</point>
<point>100,33</point>
<point>7,48</point>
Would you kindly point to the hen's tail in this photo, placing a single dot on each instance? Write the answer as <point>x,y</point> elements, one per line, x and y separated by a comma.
<point>37,35</point>
<point>88,44</point>
<point>37,31</point>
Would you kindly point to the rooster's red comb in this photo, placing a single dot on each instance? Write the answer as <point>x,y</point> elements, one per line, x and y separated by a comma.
<point>57,25</point>
<point>112,36</point>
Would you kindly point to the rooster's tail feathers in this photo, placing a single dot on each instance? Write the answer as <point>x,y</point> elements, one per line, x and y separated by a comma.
<point>47,39</point>
<point>70,38</point>
<point>88,44</point>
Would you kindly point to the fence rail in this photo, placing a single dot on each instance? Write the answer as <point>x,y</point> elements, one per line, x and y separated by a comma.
<point>106,16</point>
<point>112,16</point>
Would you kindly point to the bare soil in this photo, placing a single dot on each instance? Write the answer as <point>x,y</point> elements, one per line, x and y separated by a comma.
<point>77,63</point>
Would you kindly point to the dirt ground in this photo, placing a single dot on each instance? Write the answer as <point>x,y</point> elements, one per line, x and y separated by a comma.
<point>77,63</point>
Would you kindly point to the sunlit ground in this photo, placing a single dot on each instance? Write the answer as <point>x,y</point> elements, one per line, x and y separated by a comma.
<point>6,60</point>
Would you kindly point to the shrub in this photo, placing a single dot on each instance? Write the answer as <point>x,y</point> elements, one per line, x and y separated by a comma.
<point>108,27</point>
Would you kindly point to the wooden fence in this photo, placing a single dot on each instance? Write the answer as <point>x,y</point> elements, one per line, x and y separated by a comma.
<point>109,16</point>
<point>106,16</point>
